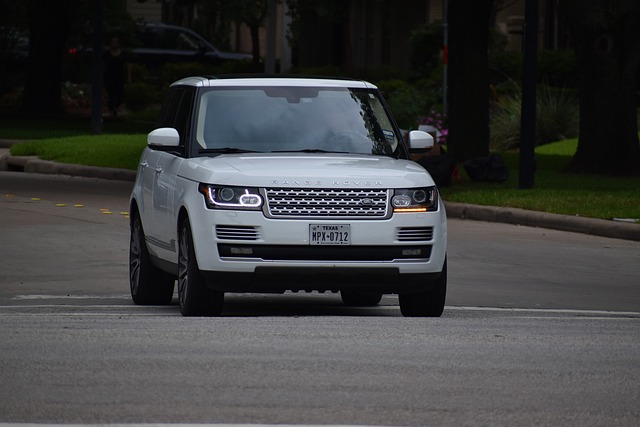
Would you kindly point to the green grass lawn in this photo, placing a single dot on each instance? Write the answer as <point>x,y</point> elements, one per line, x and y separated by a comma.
<point>554,191</point>
<point>107,150</point>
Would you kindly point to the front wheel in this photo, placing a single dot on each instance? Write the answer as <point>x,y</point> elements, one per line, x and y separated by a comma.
<point>426,304</point>
<point>194,297</point>
<point>148,284</point>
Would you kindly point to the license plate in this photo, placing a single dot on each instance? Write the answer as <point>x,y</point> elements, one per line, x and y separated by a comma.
<point>323,234</point>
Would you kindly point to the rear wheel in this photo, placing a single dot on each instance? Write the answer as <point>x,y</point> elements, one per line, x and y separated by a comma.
<point>194,297</point>
<point>148,284</point>
<point>360,299</point>
<point>426,304</point>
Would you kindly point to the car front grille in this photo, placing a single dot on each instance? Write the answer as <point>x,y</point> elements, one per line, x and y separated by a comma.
<point>321,203</point>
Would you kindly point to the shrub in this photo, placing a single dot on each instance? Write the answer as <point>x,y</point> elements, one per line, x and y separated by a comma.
<point>408,102</point>
<point>557,114</point>
<point>557,68</point>
<point>139,73</point>
<point>427,43</point>
<point>554,67</point>
<point>556,117</point>
<point>505,122</point>
<point>75,95</point>
<point>139,96</point>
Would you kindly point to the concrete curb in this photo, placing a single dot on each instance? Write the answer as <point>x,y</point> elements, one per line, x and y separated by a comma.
<point>36,165</point>
<point>596,227</point>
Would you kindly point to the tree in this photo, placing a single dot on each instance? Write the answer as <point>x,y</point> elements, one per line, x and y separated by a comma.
<point>252,13</point>
<point>468,115</point>
<point>331,18</point>
<point>49,23</point>
<point>607,44</point>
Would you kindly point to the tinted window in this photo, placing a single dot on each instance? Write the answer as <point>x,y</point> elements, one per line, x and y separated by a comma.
<point>176,111</point>
<point>181,40</point>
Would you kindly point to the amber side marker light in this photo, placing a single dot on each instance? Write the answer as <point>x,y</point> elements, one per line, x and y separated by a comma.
<point>410,210</point>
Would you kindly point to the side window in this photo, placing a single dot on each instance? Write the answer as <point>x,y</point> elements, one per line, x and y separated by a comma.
<point>176,111</point>
<point>183,114</point>
<point>169,107</point>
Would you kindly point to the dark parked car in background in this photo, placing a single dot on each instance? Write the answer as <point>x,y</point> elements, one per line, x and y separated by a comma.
<point>157,44</point>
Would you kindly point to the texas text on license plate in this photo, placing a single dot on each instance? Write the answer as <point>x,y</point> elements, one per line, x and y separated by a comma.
<point>334,234</point>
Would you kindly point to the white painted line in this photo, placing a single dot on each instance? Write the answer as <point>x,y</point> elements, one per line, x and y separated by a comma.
<point>177,425</point>
<point>46,297</point>
<point>546,310</point>
<point>143,310</point>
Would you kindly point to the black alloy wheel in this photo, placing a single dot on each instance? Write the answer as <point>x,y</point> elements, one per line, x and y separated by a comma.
<point>148,284</point>
<point>194,297</point>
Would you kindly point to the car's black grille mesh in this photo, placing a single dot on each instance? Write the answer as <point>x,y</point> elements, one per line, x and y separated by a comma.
<point>237,232</point>
<point>415,234</point>
<point>296,202</point>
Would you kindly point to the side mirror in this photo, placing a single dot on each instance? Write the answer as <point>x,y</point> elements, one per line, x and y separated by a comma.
<point>164,137</point>
<point>419,140</point>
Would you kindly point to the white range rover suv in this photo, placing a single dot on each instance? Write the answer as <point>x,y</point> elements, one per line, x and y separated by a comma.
<point>276,184</point>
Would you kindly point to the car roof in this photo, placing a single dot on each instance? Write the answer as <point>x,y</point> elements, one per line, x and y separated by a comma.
<point>271,80</point>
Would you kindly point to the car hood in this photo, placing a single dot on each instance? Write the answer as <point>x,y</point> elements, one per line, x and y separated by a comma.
<point>306,170</point>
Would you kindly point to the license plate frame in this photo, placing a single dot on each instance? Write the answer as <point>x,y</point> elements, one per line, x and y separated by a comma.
<point>329,234</point>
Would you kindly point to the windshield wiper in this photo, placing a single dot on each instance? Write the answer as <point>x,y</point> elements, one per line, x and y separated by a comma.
<point>225,150</point>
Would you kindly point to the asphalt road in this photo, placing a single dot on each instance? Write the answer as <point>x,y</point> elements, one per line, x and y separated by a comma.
<point>541,327</point>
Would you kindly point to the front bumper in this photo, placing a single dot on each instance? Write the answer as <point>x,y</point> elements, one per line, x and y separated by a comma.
<point>243,251</point>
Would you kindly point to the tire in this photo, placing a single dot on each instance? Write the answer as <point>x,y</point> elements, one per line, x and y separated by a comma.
<point>148,284</point>
<point>426,304</point>
<point>194,297</point>
<point>360,299</point>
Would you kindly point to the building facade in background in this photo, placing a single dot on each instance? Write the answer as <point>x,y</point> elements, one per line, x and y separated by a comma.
<point>368,33</point>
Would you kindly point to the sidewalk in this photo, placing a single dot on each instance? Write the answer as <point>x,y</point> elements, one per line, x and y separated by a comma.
<point>596,227</point>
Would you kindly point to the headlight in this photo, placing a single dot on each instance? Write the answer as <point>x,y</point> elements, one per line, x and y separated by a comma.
<point>221,197</point>
<point>415,200</point>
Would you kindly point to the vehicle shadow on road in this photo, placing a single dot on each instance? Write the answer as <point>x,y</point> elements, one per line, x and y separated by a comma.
<point>288,305</point>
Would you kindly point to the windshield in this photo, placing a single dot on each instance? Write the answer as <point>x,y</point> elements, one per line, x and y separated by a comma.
<point>283,119</point>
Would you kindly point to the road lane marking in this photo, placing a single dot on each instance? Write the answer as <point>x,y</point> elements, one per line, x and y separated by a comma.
<point>177,425</point>
<point>46,297</point>
<point>597,313</point>
<point>545,310</point>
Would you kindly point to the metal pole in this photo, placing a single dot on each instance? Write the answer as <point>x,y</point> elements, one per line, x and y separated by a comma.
<point>445,53</point>
<point>96,88</point>
<point>528,116</point>
<point>270,57</point>
<point>285,50</point>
